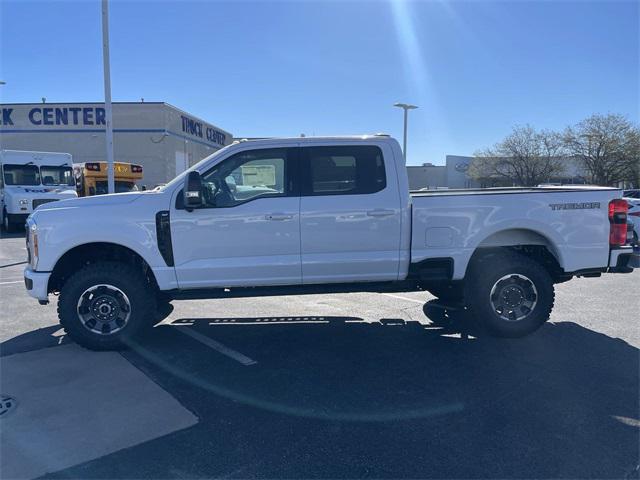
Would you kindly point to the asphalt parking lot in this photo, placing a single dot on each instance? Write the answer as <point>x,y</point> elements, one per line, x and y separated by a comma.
<point>331,386</point>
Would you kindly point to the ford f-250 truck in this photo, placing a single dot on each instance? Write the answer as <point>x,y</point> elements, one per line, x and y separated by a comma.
<point>317,214</point>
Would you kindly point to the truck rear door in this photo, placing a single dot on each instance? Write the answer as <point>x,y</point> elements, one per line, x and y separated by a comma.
<point>350,218</point>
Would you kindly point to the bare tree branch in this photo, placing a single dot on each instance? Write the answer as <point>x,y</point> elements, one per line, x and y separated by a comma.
<point>526,157</point>
<point>607,146</point>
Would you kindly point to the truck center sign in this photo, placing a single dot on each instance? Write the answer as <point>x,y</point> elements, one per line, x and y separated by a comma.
<point>37,116</point>
<point>195,128</point>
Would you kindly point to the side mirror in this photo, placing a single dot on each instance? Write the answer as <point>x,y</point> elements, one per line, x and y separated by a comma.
<point>192,191</point>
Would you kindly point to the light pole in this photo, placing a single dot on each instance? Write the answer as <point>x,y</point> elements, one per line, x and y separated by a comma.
<point>2,82</point>
<point>107,95</point>
<point>406,107</point>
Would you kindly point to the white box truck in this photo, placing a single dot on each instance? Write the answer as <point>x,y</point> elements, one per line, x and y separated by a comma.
<point>30,179</point>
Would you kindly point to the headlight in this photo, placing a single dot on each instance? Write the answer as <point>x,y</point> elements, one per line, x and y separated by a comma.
<point>33,244</point>
<point>23,201</point>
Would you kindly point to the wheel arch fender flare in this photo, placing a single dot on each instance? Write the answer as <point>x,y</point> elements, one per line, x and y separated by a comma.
<point>82,253</point>
<point>515,234</point>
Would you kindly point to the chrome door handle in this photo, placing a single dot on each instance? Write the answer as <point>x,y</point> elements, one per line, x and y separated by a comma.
<point>278,216</point>
<point>380,213</point>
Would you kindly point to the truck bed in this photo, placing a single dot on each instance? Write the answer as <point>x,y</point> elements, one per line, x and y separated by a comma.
<point>507,190</point>
<point>571,222</point>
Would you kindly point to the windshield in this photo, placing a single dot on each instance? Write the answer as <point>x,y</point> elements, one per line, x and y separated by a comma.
<point>21,175</point>
<point>57,176</point>
<point>120,187</point>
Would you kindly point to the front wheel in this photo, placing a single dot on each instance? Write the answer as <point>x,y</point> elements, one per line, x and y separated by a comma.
<point>510,294</point>
<point>103,305</point>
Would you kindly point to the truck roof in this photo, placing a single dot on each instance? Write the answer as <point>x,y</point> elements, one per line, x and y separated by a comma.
<point>336,138</point>
<point>38,158</point>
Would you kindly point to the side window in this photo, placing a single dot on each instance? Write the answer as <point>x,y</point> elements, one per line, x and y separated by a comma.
<point>346,170</point>
<point>246,176</point>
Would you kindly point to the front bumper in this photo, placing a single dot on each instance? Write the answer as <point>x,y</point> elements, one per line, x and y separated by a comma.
<point>37,283</point>
<point>624,259</point>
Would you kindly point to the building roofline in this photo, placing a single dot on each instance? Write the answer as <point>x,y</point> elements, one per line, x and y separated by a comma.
<point>87,103</point>
<point>179,110</point>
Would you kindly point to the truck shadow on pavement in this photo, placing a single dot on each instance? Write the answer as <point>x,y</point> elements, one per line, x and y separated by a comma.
<point>45,337</point>
<point>338,397</point>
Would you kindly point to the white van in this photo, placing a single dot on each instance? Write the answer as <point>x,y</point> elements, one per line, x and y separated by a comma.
<point>29,179</point>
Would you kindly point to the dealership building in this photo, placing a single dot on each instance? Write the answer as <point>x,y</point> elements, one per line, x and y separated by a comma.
<point>453,174</point>
<point>162,138</point>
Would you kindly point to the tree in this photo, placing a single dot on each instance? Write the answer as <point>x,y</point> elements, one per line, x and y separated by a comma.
<point>607,146</point>
<point>526,157</point>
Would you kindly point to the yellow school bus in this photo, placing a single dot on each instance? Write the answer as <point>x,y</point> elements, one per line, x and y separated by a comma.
<point>91,177</point>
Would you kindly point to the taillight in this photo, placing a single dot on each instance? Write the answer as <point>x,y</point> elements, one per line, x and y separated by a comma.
<point>618,220</point>
<point>94,167</point>
<point>136,169</point>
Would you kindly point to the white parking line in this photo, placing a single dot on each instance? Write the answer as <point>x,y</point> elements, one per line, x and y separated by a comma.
<point>7,283</point>
<point>209,342</point>
<point>421,302</point>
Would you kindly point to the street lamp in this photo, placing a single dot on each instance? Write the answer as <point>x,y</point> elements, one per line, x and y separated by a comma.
<point>406,107</point>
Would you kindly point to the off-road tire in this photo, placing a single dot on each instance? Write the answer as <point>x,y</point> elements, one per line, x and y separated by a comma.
<point>125,277</point>
<point>486,271</point>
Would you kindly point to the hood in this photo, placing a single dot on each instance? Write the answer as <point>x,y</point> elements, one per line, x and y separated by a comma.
<point>40,191</point>
<point>97,200</point>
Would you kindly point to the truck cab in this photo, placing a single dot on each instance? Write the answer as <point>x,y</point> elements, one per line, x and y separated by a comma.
<point>31,179</point>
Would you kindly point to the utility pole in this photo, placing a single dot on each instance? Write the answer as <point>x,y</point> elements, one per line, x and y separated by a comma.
<point>2,82</point>
<point>107,95</point>
<point>406,107</point>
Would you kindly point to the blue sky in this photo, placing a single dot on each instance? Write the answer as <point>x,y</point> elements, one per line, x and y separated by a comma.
<point>475,68</point>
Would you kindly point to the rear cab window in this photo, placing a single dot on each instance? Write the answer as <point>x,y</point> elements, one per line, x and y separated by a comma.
<point>342,170</point>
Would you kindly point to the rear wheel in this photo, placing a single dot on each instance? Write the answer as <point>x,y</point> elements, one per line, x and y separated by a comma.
<point>510,294</point>
<point>103,305</point>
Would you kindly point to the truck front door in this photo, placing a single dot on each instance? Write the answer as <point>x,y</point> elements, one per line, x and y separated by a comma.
<point>350,217</point>
<point>247,233</point>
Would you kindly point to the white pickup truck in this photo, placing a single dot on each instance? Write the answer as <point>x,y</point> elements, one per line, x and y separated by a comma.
<point>30,179</point>
<point>317,214</point>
